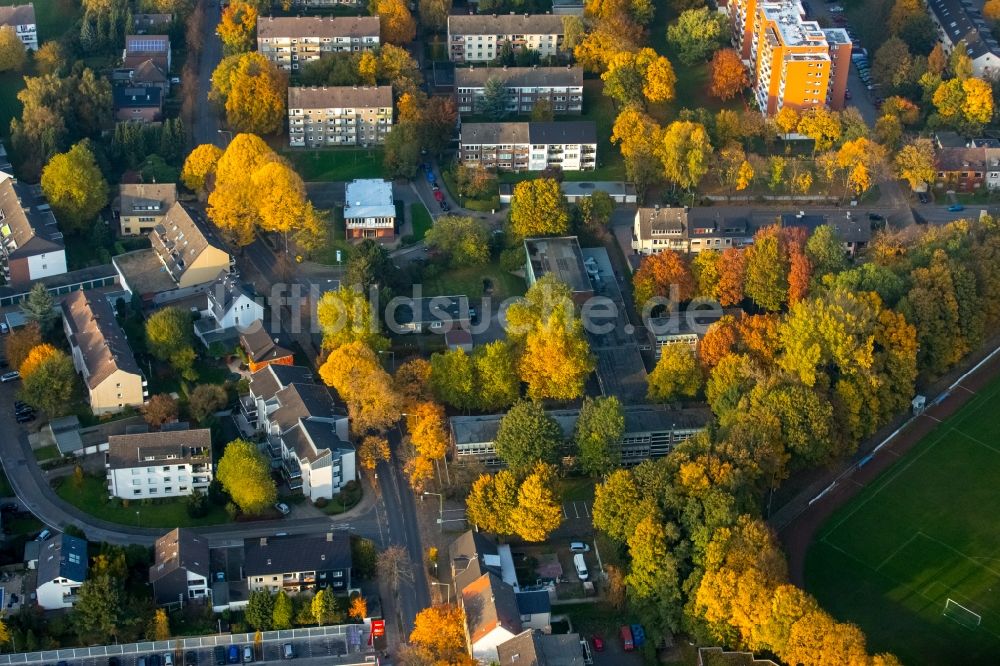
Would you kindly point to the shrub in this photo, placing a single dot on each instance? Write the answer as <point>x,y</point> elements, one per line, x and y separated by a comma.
<point>321,502</point>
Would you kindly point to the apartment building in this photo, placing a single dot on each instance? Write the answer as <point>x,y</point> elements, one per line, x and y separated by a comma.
<point>101,353</point>
<point>306,434</point>
<point>31,245</point>
<point>793,62</point>
<point>370,211</point>
<point>188,251</point>
<point>292,41</point>
<point>684,229</point>
<point>339,115</point>
<point>180,570</point>
<point>962,21</point>
<point>22,19</point>
<point>480,37</point>
<point>142,206</point>
<point>62,569</point>
<point>570,145</point>
<point>561,86</point>
<point>168,463</point>
<point>298,563</point>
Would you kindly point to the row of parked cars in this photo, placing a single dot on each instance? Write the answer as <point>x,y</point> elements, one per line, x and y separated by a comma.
<point>234,654</point>
<point>438,194</point>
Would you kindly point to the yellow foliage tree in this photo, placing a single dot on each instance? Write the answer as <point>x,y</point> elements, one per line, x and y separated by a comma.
<point>426,425</point>
<point>744,176</point>
<point>441,631</point>
<point>372,451</point>
<point>991,10</point>
<point>787,119</point>
<point>537,209</point>
<point>862,159</point>
<point>36,358</point>
<point>254,91</point>
<point>237,27</point>
<point>556,359</point>
<point>280,196</point>
<point>685,153</point>
<point>368,68</point>
<point>354,371</point>
<point>822,126</point>
<point>395,21</point>
<point>915,163</point>
<point>359,608</point>
<point>419,470</point>
<point>978,104</point>
<point>199,167</point>
<point>539,511</point>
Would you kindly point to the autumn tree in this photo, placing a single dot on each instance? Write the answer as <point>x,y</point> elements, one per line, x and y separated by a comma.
<point>496,375</point>
<point>663,275</point>
<point>732,268</point>
<point>160,625</point>
<point>74,186</point>
<point>453,379</point>
<point>237,28</point>
<point>676,375</point>
<point>427,428</point>
<point>728,75</point>
<point>685,153</point>
<point>719,340</point>
<point>20,342</point>
<point>50,383</point>
<point>527,435</point>
<point>323,606</point>
<point>438,636</point>
<point>372,451</point>
<point>862,161</point>
<point>13,55</point>
<point>616,500</point>
<point>640,138</point>
<point>245,474</point>
<point>169,337</point>
<point>556,360</point>
<point>633,77</point>
<point>283,613</point>
<point>354,371</point>
<point>205,400</point>
<point>767,269</point>
<point>37,355</point>
<point>826,250</point>
<point>598,434</point>
<point>787,119</point>
<point>491,502</point>
<point>199,167</point>
<point>253,92</point>
<point>539,510</point>
<point>537,209</point>
<point>434,13</point>
<point>697,33</point>
<point>160,409</point>
<point>396,24</point>
<point>345,316</point>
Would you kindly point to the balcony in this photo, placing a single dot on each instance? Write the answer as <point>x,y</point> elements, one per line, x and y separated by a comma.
<point>290,468</point>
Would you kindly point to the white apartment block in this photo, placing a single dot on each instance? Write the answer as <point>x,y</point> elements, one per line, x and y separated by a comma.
<point>479,38</point>
<point>168,463</point>
<point>561,86</point>
<point>568,145</point>
<point>22,19</point>
<point>339,115</point>
<point>292,41</point>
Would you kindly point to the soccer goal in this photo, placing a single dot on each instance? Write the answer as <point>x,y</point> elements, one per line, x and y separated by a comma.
<point>961,614</point>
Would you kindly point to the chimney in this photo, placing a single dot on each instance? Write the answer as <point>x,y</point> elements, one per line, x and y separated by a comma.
<point>263,541</point>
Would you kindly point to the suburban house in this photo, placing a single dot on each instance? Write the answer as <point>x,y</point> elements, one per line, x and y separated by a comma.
<point>298,563</point>
<point>684,229</point>
<point>101,353</point>
<point>370,211</point>
<point>339,115</point>
<point>960,21</point>
<point>261,349</point>
<point>651,431</point>
<point>181,569</point>
<point>307,436</point>
<point>292,41</point>
<point>168,463</point>
<point>138,104</point>
<point>482,38</point>
<point>142,206</point>
<point>186,249</point>
<point>562,86</point>
<point>22,19</point>
<point>854,231</point>
<point>967,169</point>
<point>62,569</point>
<point>563,258</point>
<point>570,145</point>
<point>229,310</point>
<point>140,48</point>
<point>532,647</point>
<point>148,75</point>
<point>435,314</point>
<point>491,616</point>
<point>32,246</point>
<point>535,608</point>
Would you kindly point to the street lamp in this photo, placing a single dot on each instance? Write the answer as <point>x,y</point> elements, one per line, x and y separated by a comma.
<point>222,131</point>
<point>392,358</point>
<point>440,509</point>
<point>446,586</point>
<point>137,518</point>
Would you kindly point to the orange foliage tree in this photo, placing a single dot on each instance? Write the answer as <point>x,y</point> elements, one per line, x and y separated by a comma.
<point>720,339</point>
<point>666,274</point>
<point>728,74</point>
<point>36,357</point>
<point>732,271</point>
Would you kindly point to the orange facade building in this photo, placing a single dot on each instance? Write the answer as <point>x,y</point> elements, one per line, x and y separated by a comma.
<point>792,61</point>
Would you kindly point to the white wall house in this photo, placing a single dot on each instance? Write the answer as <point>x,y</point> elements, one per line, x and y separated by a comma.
<point>480,38</point>
<point>62,569</point>
<point>491,616</point>
<point>169,463</point>
<point>181,569</point>
<point>22,19</point>
<point>229,308</point>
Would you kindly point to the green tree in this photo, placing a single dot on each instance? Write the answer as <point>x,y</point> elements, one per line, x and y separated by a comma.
<point>323,606</point>
<point>168,337</point>
<point>260,608</point>
<point>51,385</point>
<point>596,210</point>
<point>697,33</point>
<point>463,240</point>
<point>402,150</point>
<point>496,380</point>
<point>369,266</point>
<point>75,187</point>
<point>615,505</point>
<point>825,251</point>
<point>452,378</point>
<point>654,569</point>
<point>245,474</point>
<point>676,375</point>
<point>100,612</point>
<point>598,435</point>
<point>539,511</point>
<point>526,436</point>
<point>493,103</point>
<point>284,611</point>
<point>345,316</point>
<point>205,400</point>
<point>767,270</point>
<point>40,307</point>
<point>537,209</point>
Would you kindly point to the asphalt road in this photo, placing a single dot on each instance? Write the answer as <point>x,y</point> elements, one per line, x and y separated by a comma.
<point>207,125</point>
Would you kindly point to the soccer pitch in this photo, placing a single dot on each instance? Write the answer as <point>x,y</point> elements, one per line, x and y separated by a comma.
<point>926,531</point>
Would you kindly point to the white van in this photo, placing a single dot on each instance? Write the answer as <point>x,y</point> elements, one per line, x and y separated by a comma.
<point>581,567</point>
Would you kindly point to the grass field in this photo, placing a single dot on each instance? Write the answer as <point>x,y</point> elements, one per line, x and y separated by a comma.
<point>924,532</point>
<point>336,164</point>
<point>469,281</point>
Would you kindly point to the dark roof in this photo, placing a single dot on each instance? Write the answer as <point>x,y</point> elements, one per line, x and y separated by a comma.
<point>140,198</point>
<point>138,97</point>
<point>259,345</point>
<point>964,22</point>
<point>451,309</point>
<point>555,132</point>
<point>180,549</point>
<point>223,293</point>
<point>53,283</point>
<point>489,603</point>
<point>686,222</point>
<point>266,382</point>
<point>961,159</point>
<point>533,648</point>
<point>101,340</point>
<point>28,227</point>
<point>148,72</point>
<point>560,256</point>
<point>468,554</point>
<point>62,556</point>
<point>300,401</point>
<point>849,228</point>
<point>305,552</point>
<point>519,77</point>
<point>532,603</point>
<point>172,447</point>
<point>566,131</point>
<point>17,15</point>
<point>313,438</point>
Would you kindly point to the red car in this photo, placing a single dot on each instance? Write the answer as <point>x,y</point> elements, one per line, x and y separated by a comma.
<point>438,196</point>
<point>598,643</point>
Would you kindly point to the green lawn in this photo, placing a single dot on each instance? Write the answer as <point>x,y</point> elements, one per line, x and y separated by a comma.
<point>50,452</point>
<point>92,497</point>
<point>421,220</point>
<point>469,281</point>
<point>923,533</point>
<point>335,241</point>
<point>336,164</point>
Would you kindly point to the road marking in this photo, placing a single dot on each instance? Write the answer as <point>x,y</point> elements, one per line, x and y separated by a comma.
<point>576,510</point>
<point>565,515</point>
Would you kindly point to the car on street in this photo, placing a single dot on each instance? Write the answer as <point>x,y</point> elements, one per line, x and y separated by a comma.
<point>234,654</point>
<point>438,196</point>
<point>11,376</point>
<point>220,655</point>
<point>956,208</point>
<point>247,654</point>
<point>168,659</point>
<point>43,535</point>
<point>431,178</point>
<point>598,643</point>
<point>282,508</point>
<point>922,197</point>
<point>25,418</point>
<point>579,547</point>
<point>288,651</point>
